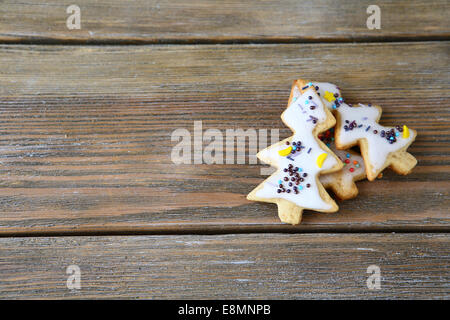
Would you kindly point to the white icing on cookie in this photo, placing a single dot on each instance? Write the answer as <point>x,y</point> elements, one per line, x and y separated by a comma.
<point>322,87</point>
<point>365,117</point>
<point>302,116</point>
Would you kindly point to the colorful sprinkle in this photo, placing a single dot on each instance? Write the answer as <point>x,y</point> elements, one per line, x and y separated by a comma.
<point>348,155</point>
<point>351,125</point>
<point>390,136</point>
<point>405,132</point>
<point>313,119</point>
<point>285,152</point>
<point>320,159</point>
<point>351,169</point>
<point>329,96</point>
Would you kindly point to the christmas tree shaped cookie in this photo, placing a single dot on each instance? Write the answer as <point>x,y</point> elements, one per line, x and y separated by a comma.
<point>342,182</point>
<point>380,146</point>
<point>300,159</point>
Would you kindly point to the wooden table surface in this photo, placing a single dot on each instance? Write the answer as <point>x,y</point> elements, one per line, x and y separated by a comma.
<point>86,176</point>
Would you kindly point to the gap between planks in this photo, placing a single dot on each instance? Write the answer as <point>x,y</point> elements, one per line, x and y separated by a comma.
<point>224,230</point>
<point>225,41</point>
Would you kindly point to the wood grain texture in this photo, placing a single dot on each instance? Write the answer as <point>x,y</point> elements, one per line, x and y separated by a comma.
<point>264,266</point>
<point>221,21</point>
<point>85,134</point>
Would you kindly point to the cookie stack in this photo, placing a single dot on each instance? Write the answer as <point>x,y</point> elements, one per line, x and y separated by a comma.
<point>318,155</point>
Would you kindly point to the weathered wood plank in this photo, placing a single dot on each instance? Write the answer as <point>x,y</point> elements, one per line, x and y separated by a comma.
<point>85,138</point>
<point>219,21</point>
<point>264,266</point>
